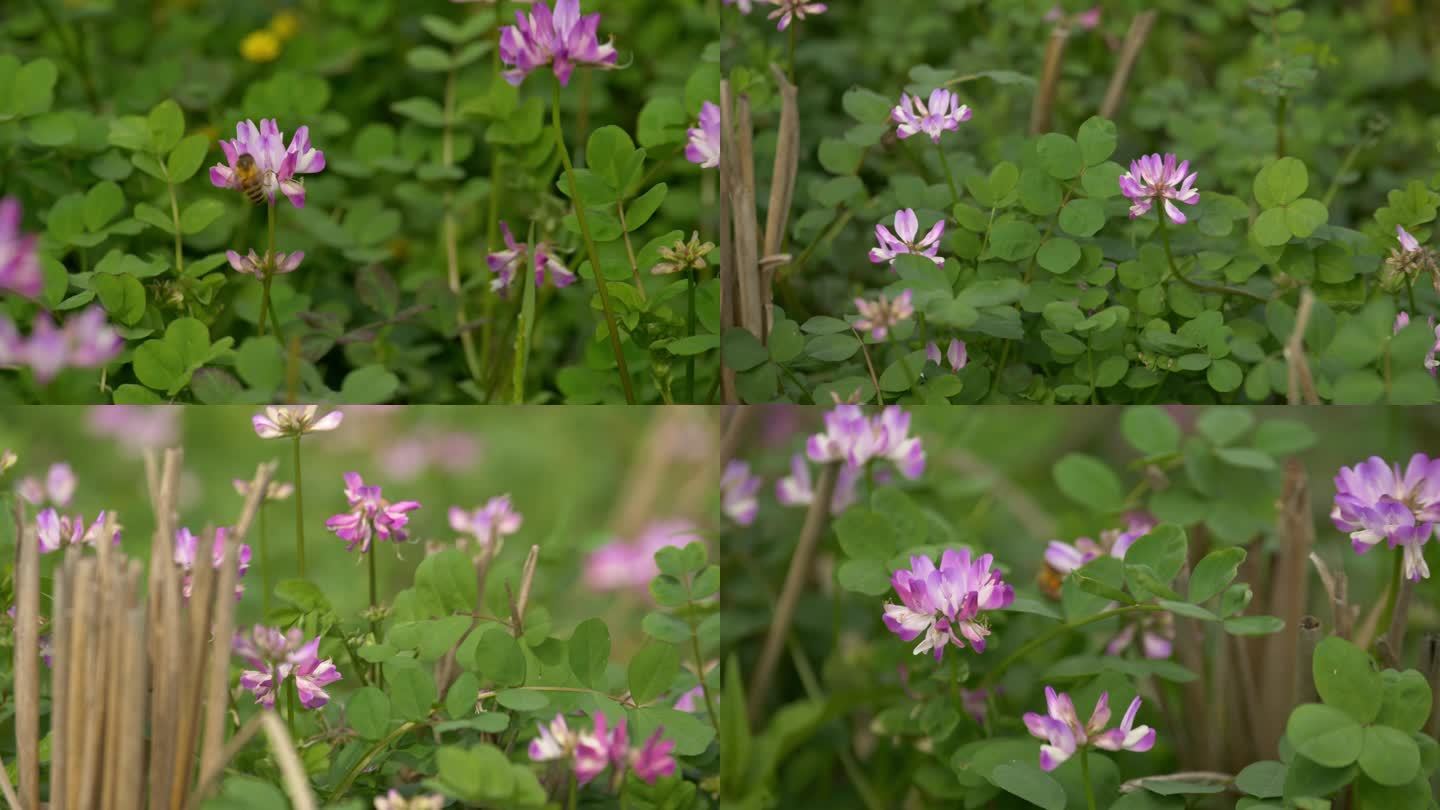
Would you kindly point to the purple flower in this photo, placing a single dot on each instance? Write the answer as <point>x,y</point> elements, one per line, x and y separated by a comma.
<point>253,265</point>
<point>1086,20</point>
<point>1402,320</point>
<point>58,488</point>
<point>944,604</point>
<point>277,163</point>
<point>275,657</point>
<point>1375,502</point>
<point>1066,557</point>
<point>903,240</point>
<point>517,255</point>
<point>489,524</point>
<point>370,516</point>
<point>1408,243</point>
<point>599,748</point>
<point>395,800</point>
<point>563,40</point>
<point>19,259</point>
<point>878,317</point>
<point>186,548</point>
<point>955,354</point>
<point>555,741</point>
<point>704,146</point>
<point>137,427</point>
<point>692,701</point>
<point>797,489</point>
<point>54,531</point>
<point>279,421</point>
<point>857,440</point>
<point>1157,635</point>
<point>604,746</point>
<point>1154,179</point>
<point>789,10</point>
<point>85,341</point>
<point>737,492</point>
<point>652,760</point>
<point>743,5</point>
<point>630,564</point>
<point>942,112</point>
<point>1061,730</point>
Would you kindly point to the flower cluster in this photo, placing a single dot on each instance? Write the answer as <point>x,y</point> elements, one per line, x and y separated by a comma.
<point>1376,501</point>
<point>1405,264</point>
<point>1064,557</point>
<point>137,427</point>
<point>703,148</point>
<point>1085,20</point>
<point>944,604</point>
<point>280,421</point>
<point>878,317</point>
<point>798,488</point>
<point>274,491</point>
<point>278,164</point>
<point>903,241</point>
<point>591,752</point>
<point>955,354</point>
<point>562,40</point>
<point>85,341</point>
<point>942,112</point>
<point>253,265</point>
<point>1402,320</point>
<point>19,259</point>
<point>1153,179</point>
<point>57,490</point>
<point>856,439</point>
<point>275,657</point>
<point>520,256</point>
<point>489,524</point>
<point>370,516</point>
<point>187,547</point>
<point>393,800</point>
<point>1060,728</point>
<point>738,489</point>
<point>790,10</point>
<point>630,564</point>
<point>55,531</point>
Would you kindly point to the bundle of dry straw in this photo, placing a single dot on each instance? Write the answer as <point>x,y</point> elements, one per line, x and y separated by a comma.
<point>140,682</point>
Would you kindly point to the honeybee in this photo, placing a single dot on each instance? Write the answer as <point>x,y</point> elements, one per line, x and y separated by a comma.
<point>249,179</point>
<point>1049,581</point>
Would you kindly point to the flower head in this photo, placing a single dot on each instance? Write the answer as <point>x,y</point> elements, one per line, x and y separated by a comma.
<point>1064,557</point>
<point>703,148</point>
<point>370,516</point>
<point>58,488</point>
<point>85,341</point>
<point>944,604</point>
<point>1407,263</point>
<point>683,255</point>
<point>1152,179</point>
<point>562,40</point>
<point>278,164</point>
<point>797,489</point>
<point>19,259</point>
<point>852,437</point>
<point>790,10</point>
<point>737,492</point>
<point>652,760</point>
<point>54,531</point>
<point>274,491</point>
<point>942,112</point>
<point>630,564</point>
<point>253,265</point>
<point>1063,734</point>
<point>903,241</point>
<point>955,354</point>
<point>604,746</point>
<point>1402,320</point>
<point>489,524</point>
<point>878,317</point>
<point>137,427</point>
<point>743,5</point>
<point>280,421</point>
<point>1085,20</point>
<point>394,800</point>
<point>519,255</point>
<point>1376,501</point>
<point>187,548</point>
<point>275,657</point>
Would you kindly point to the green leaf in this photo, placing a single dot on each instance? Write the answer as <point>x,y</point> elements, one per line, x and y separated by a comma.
<point>1281,183</point>
<point>369,713</point>
<point>1405,701</point>
<point>187,158</point>
<point>1254,625</point>
<point>1058,255</point>
<point>1151,430</point>
<point>590,652</point>
<point>1302,217</point>
<point>1214,573</point>
<point>1027,781</point>
<point>1060,156</point>
<point>1389,756</point>
<point>866,535</point>
<point>1271,228</point>
<point>1324,734</point>
<point>451,578</point>
<point>166,123</point>
<point>102,202</point>
<point>1089,482</point>
<point>412,692</point>
<point>863,576</point>
<point>122,296</point>
<point>1346,679</point>
<point>421,110</point>
<point>639,211</point>
<point>1264,779</point>
<point>522,700</point>
<point>1082,217</point>
<point>199,215</point>
<point>369,385</point>
<point>1224,426</point>
<point>1097,139</point>
<point>741,350</point>
<point>1014,240</point>
<point>499,658</point>
<point>652,670</point>
<point>428,59</point>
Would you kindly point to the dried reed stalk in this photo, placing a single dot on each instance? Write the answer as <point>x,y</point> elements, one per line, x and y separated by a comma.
<point>738,171</point>
<point>1430,668</point>
<point>27,657</point>
<point>1301,383</point>
<point>729,280</point>
<point>814,527</point>
<point>292,771</point>
<point>1307,641</point>
<point>1289,595</point>
<point>782,191</point>
<point>1129,52</point>
<point>1044,104</point>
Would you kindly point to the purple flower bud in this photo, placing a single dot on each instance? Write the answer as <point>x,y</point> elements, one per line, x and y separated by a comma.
<point>704,145</point>
<point>19,259</point>
<point>737,492</point>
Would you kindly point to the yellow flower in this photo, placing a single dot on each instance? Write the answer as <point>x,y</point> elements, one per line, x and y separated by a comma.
<point>260,46</point>
<point>284,24</point>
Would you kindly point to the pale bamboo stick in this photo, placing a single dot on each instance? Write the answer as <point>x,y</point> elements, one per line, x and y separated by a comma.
<point>27,657</point>
<point>291,769</point>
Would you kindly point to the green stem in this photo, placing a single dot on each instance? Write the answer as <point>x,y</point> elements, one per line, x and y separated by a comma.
<point>1085,776</point>
<point>290,706</point>
<point>949,176</point>
<point>1413,309</point>
<point>594,257</point>
<point>175,218</point>
<point>690,332</point>
<point>364,761</point>
<point>574,792</point>
<point>452,250</point>
<point>1192,284</point>
<point>264,560</point>
<point>1396,573</point>
<point>299,510</point>
<point>1044,638</point>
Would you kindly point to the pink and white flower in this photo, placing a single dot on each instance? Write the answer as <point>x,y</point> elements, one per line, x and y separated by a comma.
<point>562,39</point>
<point>878,317</point>
<point>275,657</point>
<point>943,111</point>
<point>19,257</point>
<point>1063,734</point>
<point>284,421</point>
<point>85,341</point>
<point>738,489</point>
<point>943,605</point>
<point>903,241</point>
<point>1154,178</point>
<point>519,256</point>
<point>489,524</point>
<point>788,11</point>
<point>277,163</point>
<point>703,148</point>
<point>370,516</point>
<point>955,354</point>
